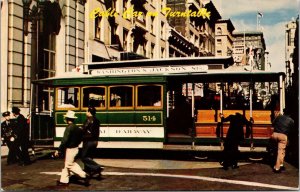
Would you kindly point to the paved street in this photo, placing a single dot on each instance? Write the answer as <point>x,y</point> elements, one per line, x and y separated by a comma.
<point>162,172</point>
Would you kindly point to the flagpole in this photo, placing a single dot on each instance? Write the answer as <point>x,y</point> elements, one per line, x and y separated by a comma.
<point>244,41</point>
<point>257,21</point>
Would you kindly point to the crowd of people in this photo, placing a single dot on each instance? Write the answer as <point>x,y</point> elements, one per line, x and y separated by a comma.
<point>15,134</point>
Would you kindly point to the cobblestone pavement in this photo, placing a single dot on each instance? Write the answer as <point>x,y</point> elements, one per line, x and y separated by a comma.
<point>152,174</point>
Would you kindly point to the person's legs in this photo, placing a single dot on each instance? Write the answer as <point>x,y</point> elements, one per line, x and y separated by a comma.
<point>11,157</point>
<point>71,165</point>
<point>65,174</point>
<point>226,155</point>
<point>87,153</point>
<point>24,153</point>
<point>282,142</point>
<point>235,155</point>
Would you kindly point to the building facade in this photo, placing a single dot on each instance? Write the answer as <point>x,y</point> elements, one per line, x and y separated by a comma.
<point>249,49</point>
<point>224,38</point>
<point>200,31</point>
<point>290,35</point>
<point>122,35</point>
<point>40,39</point>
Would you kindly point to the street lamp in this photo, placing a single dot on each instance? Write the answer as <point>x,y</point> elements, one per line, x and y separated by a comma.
<point>26,10</point>
<point>32,15</point>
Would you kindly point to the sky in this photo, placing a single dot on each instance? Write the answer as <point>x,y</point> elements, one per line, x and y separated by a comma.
<point>276,14</point>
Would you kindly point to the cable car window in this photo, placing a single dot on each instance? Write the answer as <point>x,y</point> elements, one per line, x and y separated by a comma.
<point>67,98</point>
<point>149,96</point>
<point>121,96</point>
<point>94,97</point>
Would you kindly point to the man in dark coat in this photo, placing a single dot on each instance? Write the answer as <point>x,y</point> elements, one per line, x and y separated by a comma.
<point>91,129</point>
<point>22,130</point>
<point>233,138</point>
<point>282,124</point>
<point>9,137</point>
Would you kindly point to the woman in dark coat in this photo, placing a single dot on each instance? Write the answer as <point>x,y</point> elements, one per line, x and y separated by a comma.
<point>234,136</point>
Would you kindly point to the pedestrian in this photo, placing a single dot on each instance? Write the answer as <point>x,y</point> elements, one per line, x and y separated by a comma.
<point>91,130</point>
<point>235,135</point>
<point>69,146</point>
<point>9,137</point>
<point>22,130</point>
<point>282,124</point>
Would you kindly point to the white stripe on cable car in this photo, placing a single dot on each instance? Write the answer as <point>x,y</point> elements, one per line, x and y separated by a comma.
<point>153,132</point>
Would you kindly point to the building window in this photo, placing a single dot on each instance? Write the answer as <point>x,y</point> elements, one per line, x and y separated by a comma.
<point>125,42</point>
<point>152,50</point>
<point>144,48</point>
<point>219,31</point>
<point>49,57</point>
<point>196,40</point>
<point>191,36</point>
<point>67,98</point>
<point>48,70</point>
<point>125,5</point>
<point>121,96</point>
<point>93,96</point>
<point>219,42</point>
<point>152,25</point>
<point>162,52</point>
<point>163,4</point>
<point>114,5</point>
<point>162,30</point>
<point>98,28</point>
<point>114,38</point>
<point>149,96</point>
<point>219,52</point>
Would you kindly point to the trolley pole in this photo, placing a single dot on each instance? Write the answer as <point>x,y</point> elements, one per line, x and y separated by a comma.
<point>193,116</point>
<point>221,115</point>
<point>251,115</point>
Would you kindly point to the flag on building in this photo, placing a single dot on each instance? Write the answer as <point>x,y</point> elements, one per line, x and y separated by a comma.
<point>260,14</point>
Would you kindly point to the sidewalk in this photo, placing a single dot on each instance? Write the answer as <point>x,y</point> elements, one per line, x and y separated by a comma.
<point>4,151</point>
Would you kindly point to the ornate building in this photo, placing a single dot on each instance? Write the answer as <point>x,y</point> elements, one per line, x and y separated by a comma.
<point>249,49</point>
<point>122,35</point>
<point>198,30</point>
<point>290,35</point>
<point>224,38</point>
<point>40,39</point>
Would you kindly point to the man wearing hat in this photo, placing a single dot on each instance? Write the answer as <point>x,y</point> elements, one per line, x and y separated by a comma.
<point>69,144</point>
<point>22,130</point>
<point>9,137</point>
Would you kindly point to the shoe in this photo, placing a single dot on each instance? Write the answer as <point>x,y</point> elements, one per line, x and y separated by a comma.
<point>276,170</point>
<point>225,168</point>
<point>282,168</point>
<point>86,180</point>
<point>58,183</point>
<point>235,166</point>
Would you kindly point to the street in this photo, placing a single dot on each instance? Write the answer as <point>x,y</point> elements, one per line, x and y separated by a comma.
<point>152,170</point>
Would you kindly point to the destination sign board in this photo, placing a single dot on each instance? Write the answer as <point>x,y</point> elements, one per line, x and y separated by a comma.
<point>151,70</point>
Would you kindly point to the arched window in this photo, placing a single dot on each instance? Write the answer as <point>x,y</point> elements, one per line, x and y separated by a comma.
<point>219,31</point>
